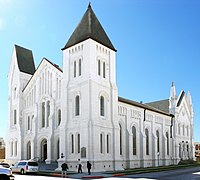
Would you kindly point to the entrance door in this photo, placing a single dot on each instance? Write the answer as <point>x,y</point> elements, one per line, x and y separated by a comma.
<point>44,150</point>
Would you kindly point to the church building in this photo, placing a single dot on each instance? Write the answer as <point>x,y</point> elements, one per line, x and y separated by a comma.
<point>74,112</point>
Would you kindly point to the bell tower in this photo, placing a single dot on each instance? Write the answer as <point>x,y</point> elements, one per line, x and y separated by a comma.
<point>90,96</point>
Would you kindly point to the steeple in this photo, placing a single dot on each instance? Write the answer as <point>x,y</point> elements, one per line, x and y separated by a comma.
<point>172,99</point>
<point>89,27</point>
<point>172,91</point>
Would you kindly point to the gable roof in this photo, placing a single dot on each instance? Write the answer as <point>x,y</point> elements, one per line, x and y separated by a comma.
<point>180,98</point>
<point>145,106</point>
<point>25,60</point>
<point>43,60</point>
<point>89,27</point>
<point>162,105</point>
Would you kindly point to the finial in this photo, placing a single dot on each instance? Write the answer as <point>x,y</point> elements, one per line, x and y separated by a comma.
<point>172,83</point>
<point>89,5</point>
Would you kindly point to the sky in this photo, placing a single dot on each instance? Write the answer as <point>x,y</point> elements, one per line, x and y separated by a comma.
<point>157,42</point>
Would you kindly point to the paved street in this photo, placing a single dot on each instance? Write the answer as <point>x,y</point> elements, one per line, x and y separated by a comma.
<point>180,174</point>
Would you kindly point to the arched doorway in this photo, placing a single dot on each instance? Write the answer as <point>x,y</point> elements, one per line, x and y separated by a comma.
<point>29,150</point>
<point>44,150</point>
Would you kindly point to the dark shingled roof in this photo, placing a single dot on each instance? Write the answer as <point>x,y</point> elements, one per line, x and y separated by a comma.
<point>145,106</point>
<point>162,105</point>
<point>89,27</point>
<point>25,60</point>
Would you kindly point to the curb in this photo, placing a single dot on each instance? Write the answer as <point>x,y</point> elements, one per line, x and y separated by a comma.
<point>92,177</point>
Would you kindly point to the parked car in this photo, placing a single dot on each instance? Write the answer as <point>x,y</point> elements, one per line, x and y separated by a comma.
<point>25,166</point>
<point>4,164</point>
<point>6,173</point>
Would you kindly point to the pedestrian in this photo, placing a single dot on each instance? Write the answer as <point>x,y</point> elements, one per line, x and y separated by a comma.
<point>64,169</point>
<point>89,165</point>
<point>79,166</point>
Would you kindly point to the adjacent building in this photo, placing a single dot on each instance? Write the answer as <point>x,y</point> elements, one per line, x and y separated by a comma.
<point>2,149</point>
<point>58,115</point>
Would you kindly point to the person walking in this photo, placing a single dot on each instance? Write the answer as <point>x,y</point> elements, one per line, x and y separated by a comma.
<point>79,166</point>
<point>64,169</point>
<point>89,165</point>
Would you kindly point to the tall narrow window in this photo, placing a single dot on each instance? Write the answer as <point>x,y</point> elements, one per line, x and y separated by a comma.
<point>167,137</point>
<point>43,114</point>
<point>108,143</point>
<point>147,141</point>
<point>134,140</point>
<point>15,117</point>
<point>104,69</point>
<point>101,143</point>
<point>158,141</point>
<point>74,68</point>
<point>58,149</point>
<point>180,154</point>
<point>72,140</point>
<point>102,113</point>
<point>99,67</point>
<point>77,106</point>
<point>48,112</point>
<point>29,123</point>
<point>59,116</point>
<point>79,67</point>
<point>120,139</point>
<point>79,143</point>
<point>11,148</point>
<point>15,148</point>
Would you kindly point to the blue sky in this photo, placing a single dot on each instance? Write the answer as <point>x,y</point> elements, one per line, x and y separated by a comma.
<point>157,42</point>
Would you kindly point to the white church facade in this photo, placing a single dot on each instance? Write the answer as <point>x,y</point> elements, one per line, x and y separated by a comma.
<point>58,115</point>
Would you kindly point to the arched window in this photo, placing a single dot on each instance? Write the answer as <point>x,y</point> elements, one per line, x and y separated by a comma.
<point>158,141</point>
<point>77,106</point>
<point>43,114</point>
<point>167,137</point>
<point>58,149</point>
<point>59,116</point>
<point>29,123</point>
<point>72,143</point>
<point>74,68</point>
<point>180,154</point>
<point>147,141</point>
<point>79,143</point>
<point>15,117</point>
<point>179,129</point>
<point>120,139</point>
<point>104,70</point>
<point>108,143</point>
<point>101,143</point>
<point>11,148</point>
<point>134,140</point>
<point>79,67</point>
<point>48,112</point>
<point>102,106</point>
<point>99,67</point>
<point>15,148</point>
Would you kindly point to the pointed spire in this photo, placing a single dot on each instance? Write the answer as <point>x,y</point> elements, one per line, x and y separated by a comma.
<point>89,27</point>
<point>189,98</point>
<point>89,5</point>
<point>172,91</point>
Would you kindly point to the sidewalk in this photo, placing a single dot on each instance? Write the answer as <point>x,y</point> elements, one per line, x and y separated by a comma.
<point>84,175</point>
